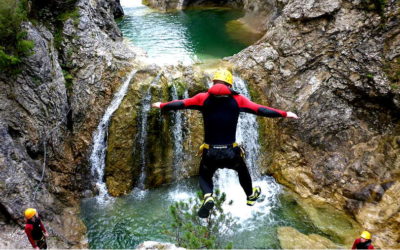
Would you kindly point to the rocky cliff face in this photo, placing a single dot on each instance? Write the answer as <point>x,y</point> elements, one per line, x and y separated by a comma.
<point>334,63</point>
<point>48,113</point>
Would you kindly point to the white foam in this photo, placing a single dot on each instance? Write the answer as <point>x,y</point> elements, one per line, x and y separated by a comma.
<point>131,3</point>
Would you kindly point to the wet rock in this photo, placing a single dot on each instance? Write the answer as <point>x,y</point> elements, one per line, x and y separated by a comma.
<point>333,222</point>
<point>290,238</point>
<point>140,149</point>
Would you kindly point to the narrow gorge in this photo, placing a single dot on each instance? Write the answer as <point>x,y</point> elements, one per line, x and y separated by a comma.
<point>81,143</point>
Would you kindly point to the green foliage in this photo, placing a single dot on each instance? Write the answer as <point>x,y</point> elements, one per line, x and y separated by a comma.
<point>59,24</point>
<point>375,5</point>
<point>190,231</point>
<point>68,79</point>
<point>48,10</point>
<point>392,70</point>
<point>73,14</point>
<point>13,43</point>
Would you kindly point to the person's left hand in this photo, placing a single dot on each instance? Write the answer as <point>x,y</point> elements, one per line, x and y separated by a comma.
<point>46,234</point>
<point>156,105</point>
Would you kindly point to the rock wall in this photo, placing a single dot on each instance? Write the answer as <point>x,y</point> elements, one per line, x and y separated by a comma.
<point>48,113</point>
<point>129,155</point>
<point>334,63</point>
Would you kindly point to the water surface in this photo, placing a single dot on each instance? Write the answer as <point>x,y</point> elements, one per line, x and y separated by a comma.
<point>184,36</point>
<point>127,221</point>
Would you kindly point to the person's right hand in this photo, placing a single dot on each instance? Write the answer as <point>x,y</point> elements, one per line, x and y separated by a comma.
<point>37,247</point>
<point>156,105</point>
<point>291,115</point>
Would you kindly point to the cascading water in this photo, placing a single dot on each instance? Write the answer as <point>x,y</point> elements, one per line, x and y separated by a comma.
<point>177,133</point>
<point>142,135</point>
<point>247,132</point>
<point>180,4</point>
<point>98,155</point>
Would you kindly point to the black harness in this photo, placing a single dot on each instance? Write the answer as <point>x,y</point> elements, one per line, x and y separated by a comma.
<point>37,232</point>
<point>363,245</point>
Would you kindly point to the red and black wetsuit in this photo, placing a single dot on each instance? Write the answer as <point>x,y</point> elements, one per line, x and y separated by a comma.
<point>362,245</point>
<point>220,107</point>
<point>35,230</point>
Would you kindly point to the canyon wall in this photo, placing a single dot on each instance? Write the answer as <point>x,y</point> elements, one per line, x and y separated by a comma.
<point>48,113</point>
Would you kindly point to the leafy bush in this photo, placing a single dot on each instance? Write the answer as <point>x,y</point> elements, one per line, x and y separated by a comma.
<point>190,231</point>
<point>13,45</point>
<point>48,10</point>
<point>375,5</point>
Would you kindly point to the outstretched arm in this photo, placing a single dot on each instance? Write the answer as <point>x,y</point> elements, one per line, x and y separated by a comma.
<point>196,102</point>
<point>248,106</point>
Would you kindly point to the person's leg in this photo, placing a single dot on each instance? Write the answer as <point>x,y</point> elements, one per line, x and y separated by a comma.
<point>244,177</point>
<point>206,173</point>
<point>245,180</point>
<point>42,244</point>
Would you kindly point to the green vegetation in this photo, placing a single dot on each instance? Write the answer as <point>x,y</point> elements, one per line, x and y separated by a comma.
<point>13,43</point>
<point>190,231</point>
<point>73,14</point>
<point>68,79</point>
<point>392,70</point>
<point>375,5</point>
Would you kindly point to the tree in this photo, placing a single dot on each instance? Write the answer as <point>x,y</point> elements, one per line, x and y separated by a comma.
<point>13,45</point>
<point>190,231</point>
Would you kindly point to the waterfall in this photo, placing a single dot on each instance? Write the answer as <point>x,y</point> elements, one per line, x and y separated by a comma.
<point>98,155</point>
<point>180,4</point>
<point>247,132</point>
<point>142,135</point>
<point>177,133</point>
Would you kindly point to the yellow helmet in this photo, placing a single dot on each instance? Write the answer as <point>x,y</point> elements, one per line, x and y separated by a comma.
<point>366,235</point>
<point>223,75</point>
<point>29,213</point>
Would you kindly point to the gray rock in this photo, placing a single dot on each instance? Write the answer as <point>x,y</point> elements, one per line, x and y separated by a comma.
<point>303,10</point>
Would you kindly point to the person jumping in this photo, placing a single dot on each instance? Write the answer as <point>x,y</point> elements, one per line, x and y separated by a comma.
<point>220,107</point>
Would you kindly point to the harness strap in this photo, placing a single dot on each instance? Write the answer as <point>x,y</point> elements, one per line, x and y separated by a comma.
<point>208,146</point>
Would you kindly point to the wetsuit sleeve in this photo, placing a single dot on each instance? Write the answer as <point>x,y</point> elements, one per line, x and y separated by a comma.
<point>28,231</point>
<point>355,244</point>
<point>195,102</point>
<point>245,105</point>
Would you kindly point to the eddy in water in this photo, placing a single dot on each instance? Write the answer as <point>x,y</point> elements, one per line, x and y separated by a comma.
<point>220,107</point>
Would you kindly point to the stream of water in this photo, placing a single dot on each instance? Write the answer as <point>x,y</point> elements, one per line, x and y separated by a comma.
<point>98,155</point>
